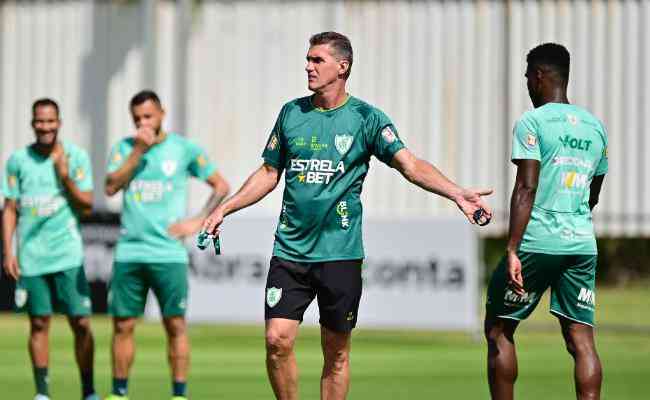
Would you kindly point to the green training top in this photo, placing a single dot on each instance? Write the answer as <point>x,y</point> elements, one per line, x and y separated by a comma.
<point>571,145</point>
<point>325,155</point>
<point>49,236</point>
<point>156,197</point>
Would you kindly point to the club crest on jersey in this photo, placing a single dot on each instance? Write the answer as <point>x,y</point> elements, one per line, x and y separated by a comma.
<point>169,167</point>
<point>343,143</point>
<point>388,135</point>
<point>273,296</point>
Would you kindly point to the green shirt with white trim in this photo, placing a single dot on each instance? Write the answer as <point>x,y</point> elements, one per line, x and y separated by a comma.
<point>49,234</point>
<point>156,197</point>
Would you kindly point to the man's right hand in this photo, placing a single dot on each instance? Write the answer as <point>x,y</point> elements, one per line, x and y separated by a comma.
<point>515,278</point>
<point>144,138</point>
<point>10,265</point>
<point>213,221</point>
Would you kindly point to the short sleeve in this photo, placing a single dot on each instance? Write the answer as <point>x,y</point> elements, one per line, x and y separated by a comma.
<point>199,165</point>
<point>10,184</point>
<point>525,140</point>
<point>382,137</point>
<point>603,164</point>
<point>81,171</point>
<point>274,153</point>
<point>119,154</point>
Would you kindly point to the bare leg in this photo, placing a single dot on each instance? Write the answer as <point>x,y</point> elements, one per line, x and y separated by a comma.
<point>579,339</point>
<point>123,346</point>
<point>84,344</point>
<point>335,380</point>
<point>280,359</point>
<point>502,357</point>
<point>178,347</point>
<point>39,334</point>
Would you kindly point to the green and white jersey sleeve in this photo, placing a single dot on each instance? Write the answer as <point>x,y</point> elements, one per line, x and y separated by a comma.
<point>10,188</point>
<point>274,154</point>
<point>382,137</point>
<point>48,234</point>
<point>525,139</point>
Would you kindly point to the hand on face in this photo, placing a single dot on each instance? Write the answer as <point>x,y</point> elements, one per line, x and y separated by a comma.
<point>60,161</point>
<point>147,118</point>
<point>145,137</point>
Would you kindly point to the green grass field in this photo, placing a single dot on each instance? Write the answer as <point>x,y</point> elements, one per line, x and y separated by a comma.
<point>228,361</point>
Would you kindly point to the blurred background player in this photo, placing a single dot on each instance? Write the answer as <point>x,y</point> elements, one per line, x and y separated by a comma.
<point>47,187</point>
<point>324,143</point>
<point>152,170</point>
<point>560,151</point>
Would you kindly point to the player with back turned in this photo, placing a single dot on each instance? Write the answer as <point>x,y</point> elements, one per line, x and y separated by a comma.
<point>560,151</point>
<point>323,144</point>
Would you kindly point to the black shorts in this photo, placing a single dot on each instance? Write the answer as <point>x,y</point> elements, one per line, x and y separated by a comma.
<point>291,287</point>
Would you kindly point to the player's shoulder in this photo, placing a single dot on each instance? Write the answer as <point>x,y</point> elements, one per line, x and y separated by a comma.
<point>365,110</point>
<point>73,149</point>
<point>297,106</point>
<point>531,118</point>
<point>177,140</point>
<point>587,117</point>
<point>19,155</point>
<point>127,141</point>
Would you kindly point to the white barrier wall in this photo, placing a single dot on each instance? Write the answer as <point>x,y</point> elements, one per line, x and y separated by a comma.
<point>450,74</point>
<point>418,273</point>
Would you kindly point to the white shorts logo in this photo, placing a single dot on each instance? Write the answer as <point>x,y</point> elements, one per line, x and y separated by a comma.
<point>20,297</point>
<point>273,296</point>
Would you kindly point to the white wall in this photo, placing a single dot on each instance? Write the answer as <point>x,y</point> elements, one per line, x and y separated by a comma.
<point>450,74</point>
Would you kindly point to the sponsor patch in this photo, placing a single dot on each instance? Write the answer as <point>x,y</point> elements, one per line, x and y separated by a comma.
<point>273,142</point>
<point>388,135</point>
<point>531,140</point>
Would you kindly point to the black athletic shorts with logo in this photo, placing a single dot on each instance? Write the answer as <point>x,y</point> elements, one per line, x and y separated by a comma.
<point>291,287</point>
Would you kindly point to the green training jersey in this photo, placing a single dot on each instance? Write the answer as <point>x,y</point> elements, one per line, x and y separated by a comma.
<point>156,197</point>
<point>571,146</point>
<point>325,156</point>
<point>49,236</point>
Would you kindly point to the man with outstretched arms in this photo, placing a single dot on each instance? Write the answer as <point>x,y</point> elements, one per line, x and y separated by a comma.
<point>560,151</point>
<point>323,143</point>
<point>47,187</point>
<point>152,169</point>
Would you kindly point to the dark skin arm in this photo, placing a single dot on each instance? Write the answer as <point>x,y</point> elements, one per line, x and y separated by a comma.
<point>594,190</point>
<point>521,205</point>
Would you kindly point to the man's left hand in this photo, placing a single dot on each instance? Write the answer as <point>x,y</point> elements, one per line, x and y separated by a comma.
<point>185,228</point>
